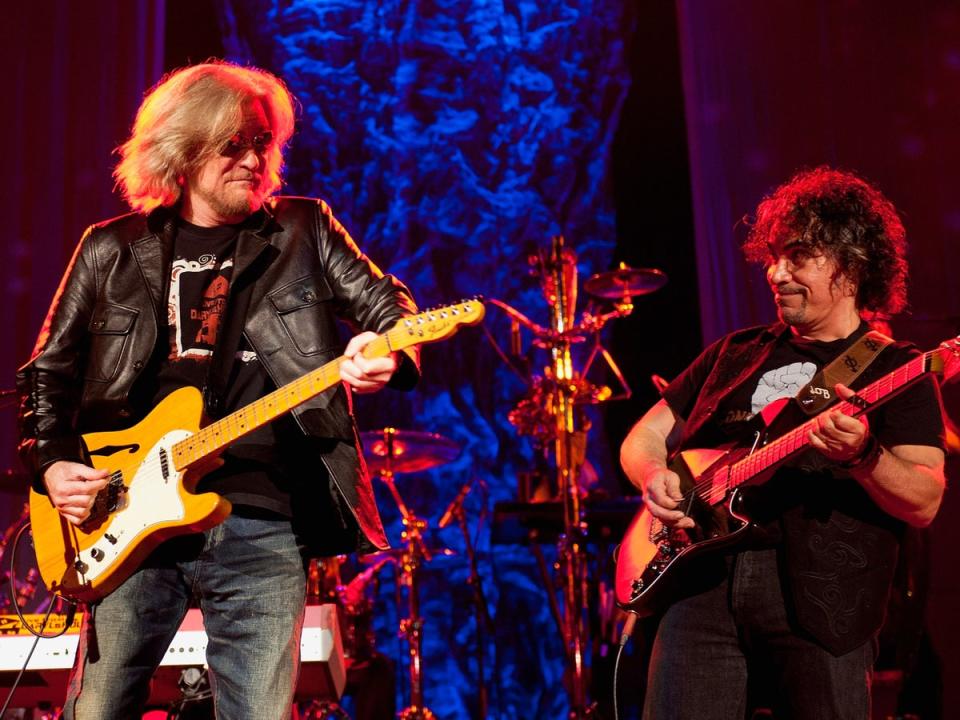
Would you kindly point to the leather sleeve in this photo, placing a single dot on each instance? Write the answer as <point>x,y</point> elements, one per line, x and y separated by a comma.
<point>365,296</point>
<point>49,385</point>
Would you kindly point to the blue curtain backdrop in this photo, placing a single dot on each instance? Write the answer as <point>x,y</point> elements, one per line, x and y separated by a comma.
<point>452,139</point>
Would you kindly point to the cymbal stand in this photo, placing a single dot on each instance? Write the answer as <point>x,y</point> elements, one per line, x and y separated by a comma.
<point>553,412</point>
<point>416,551</point>
<point>559,270</point>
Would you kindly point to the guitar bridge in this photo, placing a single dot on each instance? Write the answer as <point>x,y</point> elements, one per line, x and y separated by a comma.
<point>116,491</point>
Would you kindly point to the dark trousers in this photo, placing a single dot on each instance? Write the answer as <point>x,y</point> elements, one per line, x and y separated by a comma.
<point>710,644</point>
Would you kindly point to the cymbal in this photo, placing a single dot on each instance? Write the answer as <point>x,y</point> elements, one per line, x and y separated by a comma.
<point>406,451</point>
<point>625,281</point>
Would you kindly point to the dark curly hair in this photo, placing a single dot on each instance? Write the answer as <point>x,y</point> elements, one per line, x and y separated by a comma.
<point>841,215</point>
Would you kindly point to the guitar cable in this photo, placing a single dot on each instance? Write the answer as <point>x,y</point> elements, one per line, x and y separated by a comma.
<point>38,634</point>
<point>628,626</point>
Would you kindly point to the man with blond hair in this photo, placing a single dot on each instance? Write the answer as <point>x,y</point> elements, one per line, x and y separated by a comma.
<point>213,282</point>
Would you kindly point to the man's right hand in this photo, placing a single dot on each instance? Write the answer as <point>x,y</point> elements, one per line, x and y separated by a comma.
<point>662,495</point>
<point>73,487</point>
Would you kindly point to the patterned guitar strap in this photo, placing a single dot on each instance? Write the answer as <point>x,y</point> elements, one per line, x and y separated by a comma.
<point>817,394</point>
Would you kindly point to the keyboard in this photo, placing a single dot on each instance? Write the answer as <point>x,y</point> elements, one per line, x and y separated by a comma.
<point>322,671</point>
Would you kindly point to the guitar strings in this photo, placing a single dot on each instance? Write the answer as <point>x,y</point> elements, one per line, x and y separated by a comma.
<point>203,436</point>
<point>711,492</point>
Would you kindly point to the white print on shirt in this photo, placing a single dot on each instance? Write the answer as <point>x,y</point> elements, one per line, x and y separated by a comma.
<point>193,330</point>
<point>783,382</point>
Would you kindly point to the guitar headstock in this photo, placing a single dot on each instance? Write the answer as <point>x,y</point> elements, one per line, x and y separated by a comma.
<point>436,324</point>
<point>949,355</point>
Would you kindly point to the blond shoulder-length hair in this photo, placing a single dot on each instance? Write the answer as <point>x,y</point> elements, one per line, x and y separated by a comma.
<point>187,118</point>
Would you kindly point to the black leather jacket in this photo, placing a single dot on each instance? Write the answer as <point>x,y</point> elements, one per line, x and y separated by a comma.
<point>104,323</point>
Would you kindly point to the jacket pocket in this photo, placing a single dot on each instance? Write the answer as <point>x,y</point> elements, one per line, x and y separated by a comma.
<point>305,310</point>
<point>109,328</point>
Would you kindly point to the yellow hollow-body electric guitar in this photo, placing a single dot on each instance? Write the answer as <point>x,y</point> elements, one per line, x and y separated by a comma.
<point>156,464</point>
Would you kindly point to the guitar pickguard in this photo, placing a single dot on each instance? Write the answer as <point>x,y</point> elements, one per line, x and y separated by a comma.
<point>152,499</point>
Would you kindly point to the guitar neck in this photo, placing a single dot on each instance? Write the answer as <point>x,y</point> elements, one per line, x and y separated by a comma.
<point>213,438</point>
<point>796,440</point>
<point>426,327</point>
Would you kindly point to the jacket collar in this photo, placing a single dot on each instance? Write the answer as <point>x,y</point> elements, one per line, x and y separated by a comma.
<point>162,221</point>
<point>154,250</point>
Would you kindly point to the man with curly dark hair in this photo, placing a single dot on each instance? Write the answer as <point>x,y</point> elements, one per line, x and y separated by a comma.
<point>829,211</point>
<point>799,600</point>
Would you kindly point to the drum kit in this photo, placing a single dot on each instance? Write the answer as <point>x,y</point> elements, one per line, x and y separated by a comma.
<point>554,414</point>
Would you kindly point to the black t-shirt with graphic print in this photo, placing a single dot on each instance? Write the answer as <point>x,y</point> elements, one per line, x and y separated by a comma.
<point>258,468</point>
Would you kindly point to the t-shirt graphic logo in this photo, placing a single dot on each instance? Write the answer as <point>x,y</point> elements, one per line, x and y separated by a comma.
<point>196,303</point>
<point>211,311</point>
<point>781,382</point>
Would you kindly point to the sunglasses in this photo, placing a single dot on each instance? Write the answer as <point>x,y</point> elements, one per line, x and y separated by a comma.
<point>239,143</point>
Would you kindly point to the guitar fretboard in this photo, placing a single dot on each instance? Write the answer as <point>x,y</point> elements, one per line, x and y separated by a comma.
<point>796,440</point>
<point>221,433</point>
<point>425,327</point>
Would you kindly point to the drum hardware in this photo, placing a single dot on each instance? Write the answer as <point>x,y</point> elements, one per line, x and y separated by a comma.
<point>406,451</point>
<point>324,710</point>
<point>196,696</point>
<point>625,283</point>
<point>390,451</point>
<point>553,412</point>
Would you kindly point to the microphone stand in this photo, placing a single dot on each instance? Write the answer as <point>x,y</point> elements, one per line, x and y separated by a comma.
<point>481,611</point>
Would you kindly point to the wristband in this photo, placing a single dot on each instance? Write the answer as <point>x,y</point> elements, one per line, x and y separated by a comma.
<point>868,457</point>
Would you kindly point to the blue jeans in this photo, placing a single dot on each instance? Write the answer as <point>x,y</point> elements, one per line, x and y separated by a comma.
<point>708,644</point>
<point>248,575</point>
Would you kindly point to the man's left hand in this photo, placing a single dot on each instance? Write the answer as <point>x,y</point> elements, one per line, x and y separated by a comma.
<point>840,437</point>
<point>366,375</point>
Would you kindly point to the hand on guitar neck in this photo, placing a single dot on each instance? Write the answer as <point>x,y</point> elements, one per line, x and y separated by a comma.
<point>841,438</point>
<point>363,374</point>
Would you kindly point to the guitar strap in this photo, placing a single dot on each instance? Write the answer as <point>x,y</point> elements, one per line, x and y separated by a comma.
<point>817,394</point>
